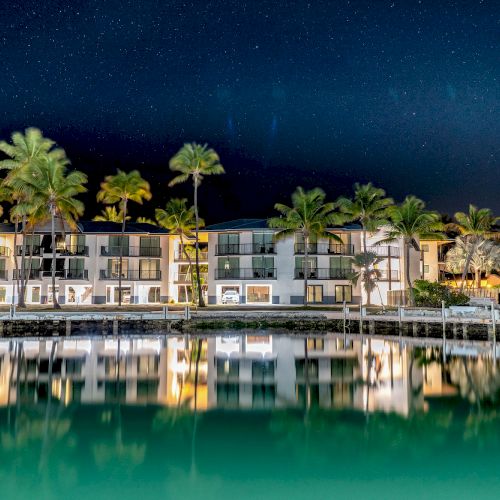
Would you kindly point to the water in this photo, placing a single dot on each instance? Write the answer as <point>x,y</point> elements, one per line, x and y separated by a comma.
<point>247,416</point>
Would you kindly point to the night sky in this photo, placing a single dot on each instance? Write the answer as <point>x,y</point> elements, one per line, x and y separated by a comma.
<point>320,93</point>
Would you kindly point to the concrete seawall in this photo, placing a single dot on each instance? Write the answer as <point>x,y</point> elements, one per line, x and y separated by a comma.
<point>466,330</point>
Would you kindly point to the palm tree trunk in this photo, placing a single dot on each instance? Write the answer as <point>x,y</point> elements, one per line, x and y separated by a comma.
<point>478,278</point>
<point>22,295</point>
<point>367,288</point>
<point>201,302</point>
<point>466,267</point>
<point>306,268</point>
<point>16,264</point>
<point>54,260</point>
<point>190,264</point>
<point>120,265</point>
<point>407,271</point>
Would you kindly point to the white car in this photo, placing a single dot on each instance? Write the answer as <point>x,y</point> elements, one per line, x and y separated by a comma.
<point>230,297</point>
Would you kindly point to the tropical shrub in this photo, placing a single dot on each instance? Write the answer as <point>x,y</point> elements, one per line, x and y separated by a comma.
<point>430,294</point>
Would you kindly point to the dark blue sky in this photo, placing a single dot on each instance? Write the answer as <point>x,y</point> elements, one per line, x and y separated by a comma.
<point>402,93</point>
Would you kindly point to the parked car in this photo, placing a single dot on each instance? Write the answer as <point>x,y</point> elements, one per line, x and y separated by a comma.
<point>230,297</point>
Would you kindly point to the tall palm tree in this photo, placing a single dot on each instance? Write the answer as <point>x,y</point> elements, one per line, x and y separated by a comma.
<point>473,226</point>
<point>364,269</point>
<point>410,221</point>
<point>180,220</point>
<point>309,216</point>
<point>122,188</point>
<point>110,214</point>
<point>369,206</point>
<point>51,191</point>
<point>194,161</point>
<point>24,150</point>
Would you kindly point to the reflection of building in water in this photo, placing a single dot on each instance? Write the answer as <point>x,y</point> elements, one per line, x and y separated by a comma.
<point>241,371</point>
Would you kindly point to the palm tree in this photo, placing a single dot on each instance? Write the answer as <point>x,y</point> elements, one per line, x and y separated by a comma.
<point>180,220</point>
<point>472,226</point>
<point>364,269</point>
<point>309,216</point>
<point>122,188</point>
<point>483,256</point>
<point>146,220</point>
<point>369,206</point>
<point>410,221</point>
<point>110,214</point>
<point>23,151</point>
<point>196,162</point>
<point>51,191</point>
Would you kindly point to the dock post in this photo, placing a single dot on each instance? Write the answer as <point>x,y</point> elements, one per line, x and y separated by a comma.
<point>344,314</point>
<point>115,327</point>
<point>68,328</point>
<point>165,311</point>
<point>400,320</point>
<point>187,313</point>
<point>443,318</point>
<point>494,328</point>
<point>361,318</point>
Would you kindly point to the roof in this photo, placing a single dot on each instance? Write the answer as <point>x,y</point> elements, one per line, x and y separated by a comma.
<point>6,227</point>
<point>249,224</point>
<point>116,227</point>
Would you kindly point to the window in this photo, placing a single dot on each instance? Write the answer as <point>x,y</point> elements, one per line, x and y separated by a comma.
<point>35,294</point>
<point>311,267</point>
<point>263,242</point>
<point>424,248</point>
<point>71,295</point>
<point>77,243</point>
<point>340,267</point>
<point>227,368</point>
<point>426,269</point>
<point>115,242</point>
<point>315,344</point>
<point>343,293</point>
<point>228,243</point>
<point>154,295</point>
<point>263,267</point>
<point>3,294</point>
<point>114,268</point>
<point>228,267</point>
<point>150,246</point>
<point>74,366</point>
<point>149,269</point>
<point>315,294</point>
<point>147,365</point>
<point>112,294</point>
<point>259,294</point>
<point>76,268</point>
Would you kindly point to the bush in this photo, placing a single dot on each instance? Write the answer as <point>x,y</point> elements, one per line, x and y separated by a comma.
<point>430,294</point>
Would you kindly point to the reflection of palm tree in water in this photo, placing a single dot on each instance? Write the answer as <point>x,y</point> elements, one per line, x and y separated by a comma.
<point>195,416</point>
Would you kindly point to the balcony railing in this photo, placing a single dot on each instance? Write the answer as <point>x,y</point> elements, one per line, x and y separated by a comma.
<point>75,274</point>
<point>384,250</point>
<point>202,255</point>
<point>246,274</point>
<point>186,277</point>
<point>325,249</point>
<point>245,249</point>
<point>4,274</point>
<point>386,275</point>
<point>149,275</point>
<point>71,250</point>
<point>34,274</point>
<point>130,251</point>
<point>323,273</point>
<point>36,250</point>
<point>4,251</point>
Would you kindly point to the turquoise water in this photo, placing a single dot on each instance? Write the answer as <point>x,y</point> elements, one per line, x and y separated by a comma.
<point>240,416</point>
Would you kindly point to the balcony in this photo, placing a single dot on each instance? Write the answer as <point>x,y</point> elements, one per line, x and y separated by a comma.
<point>4,251</point>
<point>74,250</point>
<point>34,274</point>
<point>384,250</point>
<point>324,273</point>
<point>324,249</point>
<point>245,249</point>
<point>202,255</point>
<point>149,275</point>
<point>130,251</point>
<point>186,278</point>
<point>75,274</point>
<point>246,274</point>
<point>30,250</point>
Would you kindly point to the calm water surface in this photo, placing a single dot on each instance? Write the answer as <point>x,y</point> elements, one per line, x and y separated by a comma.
<point>248,416</point>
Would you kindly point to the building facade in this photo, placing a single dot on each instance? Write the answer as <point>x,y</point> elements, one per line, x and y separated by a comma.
<point>243,259</point>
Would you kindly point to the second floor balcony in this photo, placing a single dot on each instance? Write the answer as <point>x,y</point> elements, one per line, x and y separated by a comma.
<point>324,273</point>
<point>131,275</point>
<point>181,256</point>
<point>384,250</point>
<point>130,251</point>
<point>251,273</point>
<point>324,249</point>
<point>245,249</point>
<point>186,277</point>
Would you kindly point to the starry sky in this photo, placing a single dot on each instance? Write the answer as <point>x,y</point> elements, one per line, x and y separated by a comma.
<point>403,93</point>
